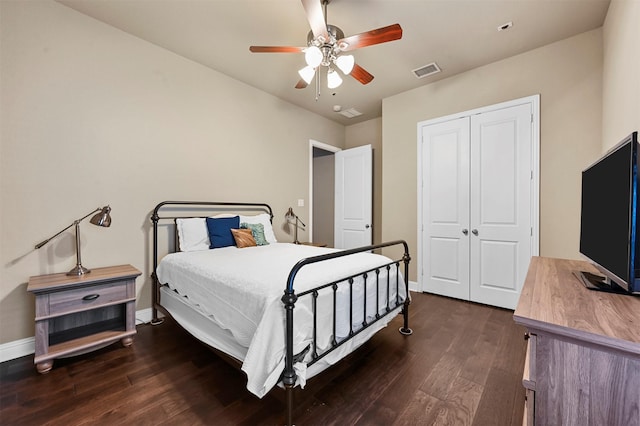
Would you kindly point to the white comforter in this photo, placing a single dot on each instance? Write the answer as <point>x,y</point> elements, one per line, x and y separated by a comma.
<point>241,290</point>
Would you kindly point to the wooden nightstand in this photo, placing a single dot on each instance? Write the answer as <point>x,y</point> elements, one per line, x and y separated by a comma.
<point>314,244</point>
<point>75,315</point>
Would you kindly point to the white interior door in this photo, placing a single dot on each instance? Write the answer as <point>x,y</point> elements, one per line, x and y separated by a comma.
<point>445,208</point>
<point>501,222</point>
<point>353,197</point>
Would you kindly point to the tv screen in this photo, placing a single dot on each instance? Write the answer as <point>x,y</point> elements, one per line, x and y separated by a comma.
<point>609,214</point>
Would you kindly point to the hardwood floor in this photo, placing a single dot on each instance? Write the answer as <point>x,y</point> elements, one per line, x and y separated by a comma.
<point>462,366</point>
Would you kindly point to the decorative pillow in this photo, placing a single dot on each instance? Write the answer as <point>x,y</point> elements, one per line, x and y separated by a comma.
<point>192,234</point>
<point>265,220</point>
<point>243,238</point>
<point>220,230</point>
<point>257,231</point>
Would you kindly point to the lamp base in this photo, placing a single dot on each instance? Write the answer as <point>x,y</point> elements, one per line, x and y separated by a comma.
<point>79,270</point>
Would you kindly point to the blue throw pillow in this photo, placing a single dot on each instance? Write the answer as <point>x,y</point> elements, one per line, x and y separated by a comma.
<point>220,231</point>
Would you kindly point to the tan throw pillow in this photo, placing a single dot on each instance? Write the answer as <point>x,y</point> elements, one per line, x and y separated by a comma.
<point>243,237</point>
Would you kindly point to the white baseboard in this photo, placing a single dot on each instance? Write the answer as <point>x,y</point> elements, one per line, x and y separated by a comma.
<point>26,346</point>
<point>413,286</point>
<point>17,349</point>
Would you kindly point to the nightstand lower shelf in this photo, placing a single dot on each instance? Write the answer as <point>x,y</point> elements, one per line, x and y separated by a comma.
<point>85,344</point>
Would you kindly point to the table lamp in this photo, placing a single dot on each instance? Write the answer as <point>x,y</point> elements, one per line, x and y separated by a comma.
<point>290,215</point>
<point>103,218</point>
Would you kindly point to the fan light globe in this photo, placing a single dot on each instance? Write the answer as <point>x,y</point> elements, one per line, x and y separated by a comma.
<point>333,79</point>
<point>313,56</point>
<point>307,74</point>
<point>345,63</point>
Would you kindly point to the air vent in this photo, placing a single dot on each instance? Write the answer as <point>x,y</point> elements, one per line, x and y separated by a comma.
<point>427,70</point>
<point>350,113</point>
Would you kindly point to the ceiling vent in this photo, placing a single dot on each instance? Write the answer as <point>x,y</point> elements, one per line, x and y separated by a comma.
<point>427,70</point>
<point>350,113</point>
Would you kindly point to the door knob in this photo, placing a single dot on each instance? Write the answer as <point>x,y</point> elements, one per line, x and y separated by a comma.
<point>367,226</point>
<point>465,231</point>
<point>474,231</point>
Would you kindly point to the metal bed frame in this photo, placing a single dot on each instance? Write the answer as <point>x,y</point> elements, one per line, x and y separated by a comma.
<point>290,297</point>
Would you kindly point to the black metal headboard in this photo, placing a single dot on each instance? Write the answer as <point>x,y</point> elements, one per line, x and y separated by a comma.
<point>185,207</point>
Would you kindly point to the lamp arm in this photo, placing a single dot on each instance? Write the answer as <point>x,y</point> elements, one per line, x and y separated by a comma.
<point>75,222</point>
<point>298,219</point>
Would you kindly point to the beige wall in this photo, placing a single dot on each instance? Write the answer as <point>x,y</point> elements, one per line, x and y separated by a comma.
<point>621,73</point>
<point>92,115</point>
<point>370,133</point>
<point>568,77</point>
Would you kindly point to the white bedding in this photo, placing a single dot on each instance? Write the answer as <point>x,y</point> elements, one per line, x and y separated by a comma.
<point>240,289</point>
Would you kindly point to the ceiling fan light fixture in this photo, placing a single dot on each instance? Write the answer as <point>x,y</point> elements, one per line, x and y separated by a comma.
<point>345,63</point>
<point>313,56</point>
<point>307,74</point>
<point>333,79</point>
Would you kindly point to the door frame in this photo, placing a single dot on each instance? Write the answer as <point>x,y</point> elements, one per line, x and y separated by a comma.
<point>325,147</point>
<point>534,101</point>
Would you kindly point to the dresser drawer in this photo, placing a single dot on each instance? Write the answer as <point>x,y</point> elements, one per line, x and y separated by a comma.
<point>73,300</point>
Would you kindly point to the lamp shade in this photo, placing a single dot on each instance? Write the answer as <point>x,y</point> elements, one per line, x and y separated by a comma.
<point>290,214</point>
<point>333,79</point>
<point>313,56</point>
<point>345,63</point>
<point>307,74</point>
<point>102,218</point>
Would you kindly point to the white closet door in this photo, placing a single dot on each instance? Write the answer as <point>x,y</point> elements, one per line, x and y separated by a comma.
<point>501,180</point>
<point>445,208</point>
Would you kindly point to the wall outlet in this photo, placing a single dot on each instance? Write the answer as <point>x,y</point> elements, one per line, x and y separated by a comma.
<point>300,202</point>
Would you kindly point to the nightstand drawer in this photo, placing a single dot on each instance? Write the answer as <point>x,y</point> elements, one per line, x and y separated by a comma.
<point>86,298</point>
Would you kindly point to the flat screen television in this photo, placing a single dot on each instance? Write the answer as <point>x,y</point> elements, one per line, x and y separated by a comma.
<point>609,219</point>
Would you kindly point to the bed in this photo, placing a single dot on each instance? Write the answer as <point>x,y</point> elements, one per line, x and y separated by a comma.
<point>285,312</point>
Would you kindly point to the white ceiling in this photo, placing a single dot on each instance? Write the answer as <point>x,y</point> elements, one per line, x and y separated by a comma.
<point>457,34</point>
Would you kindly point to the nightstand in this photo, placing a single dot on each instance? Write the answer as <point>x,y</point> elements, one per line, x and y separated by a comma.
<point>314,244</point>
<point>79,314</point>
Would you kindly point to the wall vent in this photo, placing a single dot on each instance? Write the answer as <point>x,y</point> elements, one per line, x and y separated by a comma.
<point>427,70</point>
<point>350,113</point>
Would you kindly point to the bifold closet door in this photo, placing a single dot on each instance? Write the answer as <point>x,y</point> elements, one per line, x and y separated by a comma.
<point>445,185</point>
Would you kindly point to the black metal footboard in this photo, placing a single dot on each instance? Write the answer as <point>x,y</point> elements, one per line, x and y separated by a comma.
<point>290,298</point>
<point>388,287</point>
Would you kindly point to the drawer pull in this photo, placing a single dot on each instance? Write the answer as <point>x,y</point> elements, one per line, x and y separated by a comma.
<point>526,336</point>
<point>91,297</point>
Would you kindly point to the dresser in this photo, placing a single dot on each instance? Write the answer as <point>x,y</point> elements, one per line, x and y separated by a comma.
<point>78,314</point>
<point>583,353</point>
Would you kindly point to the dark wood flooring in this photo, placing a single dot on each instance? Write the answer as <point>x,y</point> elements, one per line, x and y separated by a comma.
<point>462,366</point>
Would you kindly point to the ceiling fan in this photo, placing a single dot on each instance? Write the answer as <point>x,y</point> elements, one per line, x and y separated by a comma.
<point>325,45</point>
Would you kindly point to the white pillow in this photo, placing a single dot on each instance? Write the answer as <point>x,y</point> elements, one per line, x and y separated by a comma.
<point>193,234</point>
<point>265,220</point>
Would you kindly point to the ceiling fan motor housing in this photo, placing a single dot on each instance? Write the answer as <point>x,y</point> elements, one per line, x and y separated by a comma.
<point>330,48</point>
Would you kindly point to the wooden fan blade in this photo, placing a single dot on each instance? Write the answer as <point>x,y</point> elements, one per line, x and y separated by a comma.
<point>276,49</point>
<point>361,74</point>
<point>301,84</point>
<point>313,9</point>
<point>380,35</point>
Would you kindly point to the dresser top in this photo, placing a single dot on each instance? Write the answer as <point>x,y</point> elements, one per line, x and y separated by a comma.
<point>554,300</point>
<point>53,282</point>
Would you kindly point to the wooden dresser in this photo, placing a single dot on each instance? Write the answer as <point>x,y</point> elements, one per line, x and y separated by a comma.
<point>583,354</point>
